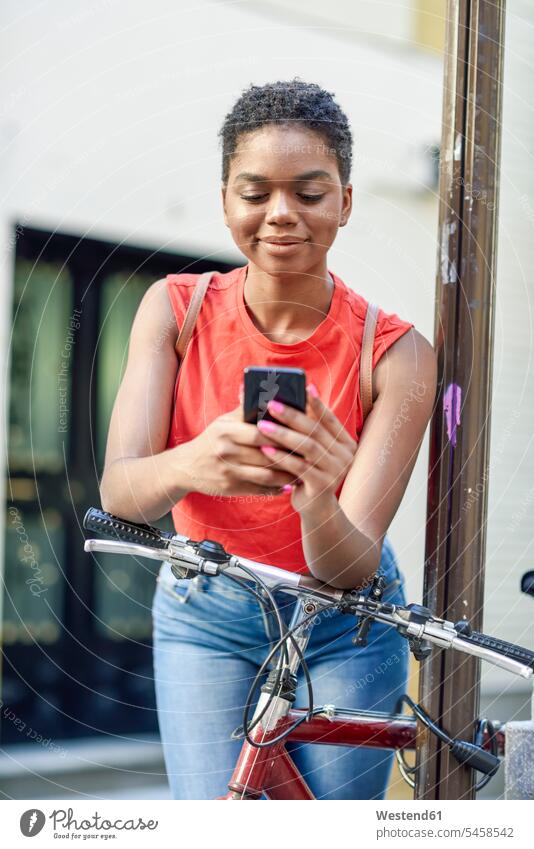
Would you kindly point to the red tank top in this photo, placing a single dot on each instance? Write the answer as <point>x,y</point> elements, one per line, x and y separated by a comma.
<point>224,342</point>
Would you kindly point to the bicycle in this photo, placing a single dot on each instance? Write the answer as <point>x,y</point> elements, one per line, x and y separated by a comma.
<point>264,767</point>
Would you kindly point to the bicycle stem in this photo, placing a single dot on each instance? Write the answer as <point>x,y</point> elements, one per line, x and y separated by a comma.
<point>280,705</point>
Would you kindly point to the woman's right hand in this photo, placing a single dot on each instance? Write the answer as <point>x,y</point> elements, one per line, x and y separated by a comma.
<point>225,459</point>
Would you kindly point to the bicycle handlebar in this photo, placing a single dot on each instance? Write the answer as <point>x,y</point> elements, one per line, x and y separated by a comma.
<point>188,557</point>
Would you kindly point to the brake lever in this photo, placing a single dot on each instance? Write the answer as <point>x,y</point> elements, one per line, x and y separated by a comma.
<point>107,546</point>
<point>364,622</point>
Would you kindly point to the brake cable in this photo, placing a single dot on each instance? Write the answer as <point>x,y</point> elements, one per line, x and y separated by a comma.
<point>282,643</point>
<point>309,713</point>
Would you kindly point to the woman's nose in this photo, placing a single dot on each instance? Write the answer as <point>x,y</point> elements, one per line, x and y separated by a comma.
<point>281,209</point>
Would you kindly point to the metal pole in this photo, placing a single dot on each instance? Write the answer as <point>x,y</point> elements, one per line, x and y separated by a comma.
<point>460,428</point>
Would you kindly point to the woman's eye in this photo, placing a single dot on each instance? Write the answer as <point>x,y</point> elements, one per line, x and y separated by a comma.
<point>257,198</point>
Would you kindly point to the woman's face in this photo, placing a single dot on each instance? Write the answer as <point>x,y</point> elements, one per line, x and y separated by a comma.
<point>284,183</point>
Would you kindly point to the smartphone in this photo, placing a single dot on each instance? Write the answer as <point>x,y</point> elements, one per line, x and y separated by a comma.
<point>267,383</point>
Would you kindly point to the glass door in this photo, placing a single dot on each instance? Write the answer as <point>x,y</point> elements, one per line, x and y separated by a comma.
<point>76,628</point>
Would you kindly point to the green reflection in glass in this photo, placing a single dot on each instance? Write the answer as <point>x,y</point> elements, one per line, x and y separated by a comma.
<point>34,586</point>
<point>44,335</point>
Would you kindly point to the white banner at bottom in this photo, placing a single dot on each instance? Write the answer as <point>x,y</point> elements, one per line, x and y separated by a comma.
<point>161,823</point>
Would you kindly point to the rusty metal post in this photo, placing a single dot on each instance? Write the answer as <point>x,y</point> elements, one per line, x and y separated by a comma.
<point>460,428</point>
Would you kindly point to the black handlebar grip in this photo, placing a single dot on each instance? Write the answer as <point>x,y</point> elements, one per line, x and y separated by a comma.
<point>518,653</point>
<point>119,529</point>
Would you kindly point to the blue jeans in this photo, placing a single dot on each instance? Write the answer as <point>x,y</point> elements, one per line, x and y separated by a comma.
<point>210,637</point>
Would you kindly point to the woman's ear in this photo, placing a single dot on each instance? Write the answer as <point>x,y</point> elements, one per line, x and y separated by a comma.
<point>346,207</point>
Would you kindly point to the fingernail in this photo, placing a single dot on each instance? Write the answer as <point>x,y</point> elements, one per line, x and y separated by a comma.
<point>276,406</point>
<point>266,426</point>
<point>312,389</point>
<point>287,488</point>
<point>268,449</point>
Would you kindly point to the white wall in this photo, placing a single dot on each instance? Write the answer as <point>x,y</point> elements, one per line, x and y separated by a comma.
<point>390,21</point>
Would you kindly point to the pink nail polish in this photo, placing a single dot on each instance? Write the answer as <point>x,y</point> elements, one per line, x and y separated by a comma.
<point>266,426</point>
<point>276,406</point>
<point>287,488</point>
<point>312,389</point>
<point>268,449</point>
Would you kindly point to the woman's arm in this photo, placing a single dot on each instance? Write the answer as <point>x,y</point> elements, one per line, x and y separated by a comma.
<point>141,480</point>
<point>342,541</point>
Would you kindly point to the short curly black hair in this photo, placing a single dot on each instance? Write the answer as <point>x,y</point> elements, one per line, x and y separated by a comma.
<point>286,102</point>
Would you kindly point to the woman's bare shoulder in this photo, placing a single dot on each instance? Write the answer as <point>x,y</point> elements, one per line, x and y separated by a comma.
<point>155,321</point>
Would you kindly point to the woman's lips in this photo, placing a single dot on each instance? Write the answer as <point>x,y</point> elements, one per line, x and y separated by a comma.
<point>281,249</point>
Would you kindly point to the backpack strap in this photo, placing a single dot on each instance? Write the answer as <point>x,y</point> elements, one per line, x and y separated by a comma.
<point>191,315</point>
<point>366,359</point>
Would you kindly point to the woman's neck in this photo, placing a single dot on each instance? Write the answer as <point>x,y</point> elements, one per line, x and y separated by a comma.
<point>287,309</point>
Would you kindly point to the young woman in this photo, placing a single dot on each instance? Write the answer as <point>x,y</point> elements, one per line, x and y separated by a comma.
<point>183,445</point>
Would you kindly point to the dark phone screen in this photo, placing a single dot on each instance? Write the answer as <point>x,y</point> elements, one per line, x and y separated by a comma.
<point>266,383</point>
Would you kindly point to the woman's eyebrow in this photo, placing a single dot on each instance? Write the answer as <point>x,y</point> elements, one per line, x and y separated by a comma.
<point>314,175</point>
<point>307,175</point>
<point>250,178</point>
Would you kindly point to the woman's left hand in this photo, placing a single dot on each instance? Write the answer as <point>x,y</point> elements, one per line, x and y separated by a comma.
<point>327,450</point>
